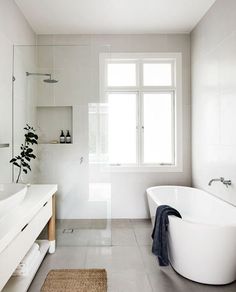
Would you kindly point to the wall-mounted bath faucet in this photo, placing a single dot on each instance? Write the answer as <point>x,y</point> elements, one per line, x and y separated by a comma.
<point>227,183</point>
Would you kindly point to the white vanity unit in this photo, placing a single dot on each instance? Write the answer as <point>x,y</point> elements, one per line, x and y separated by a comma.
<point>20,227</point>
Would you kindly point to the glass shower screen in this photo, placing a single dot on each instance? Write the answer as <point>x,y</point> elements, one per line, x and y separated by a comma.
<point>59,93</point>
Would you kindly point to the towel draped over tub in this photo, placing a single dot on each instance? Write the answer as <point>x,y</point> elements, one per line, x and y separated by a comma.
<point>159,234</point>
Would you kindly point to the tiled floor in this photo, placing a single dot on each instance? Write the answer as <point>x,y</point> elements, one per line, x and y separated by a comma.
<point>130,265</point>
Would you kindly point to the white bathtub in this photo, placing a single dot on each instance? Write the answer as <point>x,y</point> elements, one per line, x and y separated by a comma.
<point>202,245</point>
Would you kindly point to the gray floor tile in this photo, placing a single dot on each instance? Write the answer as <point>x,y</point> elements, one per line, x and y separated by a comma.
<point>143,236</point>
<point>100,224</point>
<point>166,280</point>
<point>115,259</point>
<point>123,237</point>
<point>128,282</point>
<point>71,239</point>
<point>84,237</point>
<point>73,223</point>
<point>96,237</point>
<point>141,223</point>
<point>121,223</point>
<point>150,260</point>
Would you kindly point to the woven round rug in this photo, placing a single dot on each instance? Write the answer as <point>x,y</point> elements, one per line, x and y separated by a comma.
<point>81,280</point>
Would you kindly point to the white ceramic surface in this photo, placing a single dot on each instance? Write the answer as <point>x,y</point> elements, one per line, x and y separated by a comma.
<point>202,245</point>
<point>11,195</point>
<point>16,219</point>
<point>213,84</point>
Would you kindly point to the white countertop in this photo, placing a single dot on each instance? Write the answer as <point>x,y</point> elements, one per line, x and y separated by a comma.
<point>16,219</point>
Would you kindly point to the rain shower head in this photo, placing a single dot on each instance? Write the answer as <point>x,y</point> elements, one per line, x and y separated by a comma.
<point>48,80</point>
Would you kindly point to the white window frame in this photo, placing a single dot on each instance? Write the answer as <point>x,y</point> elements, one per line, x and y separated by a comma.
<point>139,58</point>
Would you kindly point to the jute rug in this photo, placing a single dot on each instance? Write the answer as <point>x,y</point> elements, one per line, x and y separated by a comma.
<point>82,280</point>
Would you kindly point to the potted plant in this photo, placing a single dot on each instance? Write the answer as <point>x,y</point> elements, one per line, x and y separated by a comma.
<point>22,161</point>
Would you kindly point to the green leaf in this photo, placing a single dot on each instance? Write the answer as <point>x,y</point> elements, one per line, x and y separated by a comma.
<point>30,135</point>
<point>25,164</point>
<point>16,164</point>
<point>29,150</point>
<point>32,156</point>
<point>26,154</point>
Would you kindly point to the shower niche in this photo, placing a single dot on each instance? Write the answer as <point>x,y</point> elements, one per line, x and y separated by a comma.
<point>51,120</point>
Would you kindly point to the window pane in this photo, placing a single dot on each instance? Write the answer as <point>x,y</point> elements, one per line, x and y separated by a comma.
<point>158,121</point>
<point>122,128</point>
<point>98,132</point>
<point>92,133</point>
<point>158,74</point>
<point>121,74</point>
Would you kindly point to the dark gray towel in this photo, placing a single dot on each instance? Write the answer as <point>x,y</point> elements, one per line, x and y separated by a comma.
<point>159,234</point>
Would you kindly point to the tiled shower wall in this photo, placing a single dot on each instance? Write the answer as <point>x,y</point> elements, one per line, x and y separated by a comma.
<point>213,44</point>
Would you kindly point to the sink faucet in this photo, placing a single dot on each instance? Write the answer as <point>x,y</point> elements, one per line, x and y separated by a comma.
<point>227,183</point>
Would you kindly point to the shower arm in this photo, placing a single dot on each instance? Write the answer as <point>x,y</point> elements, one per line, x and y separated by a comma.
<point>38,74</point>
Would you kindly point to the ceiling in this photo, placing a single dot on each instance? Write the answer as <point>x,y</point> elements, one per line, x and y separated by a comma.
<point>113,16</point>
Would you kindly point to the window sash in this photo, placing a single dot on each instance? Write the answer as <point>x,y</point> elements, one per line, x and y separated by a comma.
<point>139,75</point>
<point>142,135</point>
<point>124,61</point>
<point>173,81</point>
<point>176,89</point>
<point>137,146</point>
<point>140,131</point>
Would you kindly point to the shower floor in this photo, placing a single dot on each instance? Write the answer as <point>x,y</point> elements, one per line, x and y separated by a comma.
<point>80,232</point>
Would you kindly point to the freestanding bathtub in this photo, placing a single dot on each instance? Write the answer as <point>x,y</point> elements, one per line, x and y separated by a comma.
<point>202,245</point>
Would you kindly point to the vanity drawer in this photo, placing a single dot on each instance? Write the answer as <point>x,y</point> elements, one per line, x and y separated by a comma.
<point>17,249</point>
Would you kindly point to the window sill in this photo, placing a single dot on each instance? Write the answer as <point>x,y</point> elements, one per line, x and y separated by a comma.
<point>128,168</point>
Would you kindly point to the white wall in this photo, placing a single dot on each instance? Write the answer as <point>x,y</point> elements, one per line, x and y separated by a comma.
<point>213,44</point>
<point>79,71</point>
<point>13,30</point>
<point>24,103</point>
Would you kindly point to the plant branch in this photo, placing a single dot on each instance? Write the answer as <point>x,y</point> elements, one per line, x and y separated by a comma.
<point>22,161</point>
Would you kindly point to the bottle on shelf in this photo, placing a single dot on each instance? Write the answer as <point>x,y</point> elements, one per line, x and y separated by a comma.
<point>68,137</point>
<point>62,137</point>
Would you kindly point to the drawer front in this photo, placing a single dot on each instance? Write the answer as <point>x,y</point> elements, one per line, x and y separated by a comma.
<point>17,249</point>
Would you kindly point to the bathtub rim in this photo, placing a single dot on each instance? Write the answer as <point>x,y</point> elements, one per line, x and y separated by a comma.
<point>202,224</point>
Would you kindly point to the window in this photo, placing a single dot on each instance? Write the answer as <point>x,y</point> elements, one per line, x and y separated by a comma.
<point>142,93</point>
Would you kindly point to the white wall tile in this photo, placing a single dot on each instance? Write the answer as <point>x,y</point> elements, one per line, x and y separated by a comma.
<point>76,68</point>
<point>213,99</point>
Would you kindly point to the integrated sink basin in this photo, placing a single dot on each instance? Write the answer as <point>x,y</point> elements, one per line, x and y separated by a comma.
<point>11,195</point>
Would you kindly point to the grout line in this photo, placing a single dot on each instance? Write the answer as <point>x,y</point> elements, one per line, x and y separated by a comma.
<point>150,283</point>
